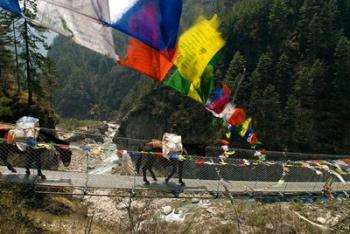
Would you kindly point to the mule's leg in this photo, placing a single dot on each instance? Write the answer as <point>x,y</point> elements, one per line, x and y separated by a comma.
<point>144,173</point>
<point>9,166</point>
<point>152,174</point>
<point>38,165</point>
<point>180,167</point>
<point>172,172</point>
<point>150,166</point>
<point>3,156</point>
<point>29,161</point>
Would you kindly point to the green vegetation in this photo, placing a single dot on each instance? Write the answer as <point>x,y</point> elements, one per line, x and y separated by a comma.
<point>89,86</point>
<point>25,73</point>
<point>296,55</point>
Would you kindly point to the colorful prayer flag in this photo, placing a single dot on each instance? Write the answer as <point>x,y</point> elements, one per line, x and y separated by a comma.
<point>12,6</point>
<point>197,46</point>
<point>243,128</point>
<point>219,99</point>
<point>178,83</point>
<point>206,84</point>
<point>238,116</point>
<point>147,60</point>
<point>252,139</point>
<point>185,87</point>
<point>154,22</point>
<point>226,113</point>
<point>248,133</point>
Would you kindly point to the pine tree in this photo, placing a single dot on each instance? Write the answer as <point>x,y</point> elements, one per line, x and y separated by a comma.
<point>278,19</point>
<point>342,72</point>
<point>267,115</point>
<point>32,60</point>
<point>284,78</point>
<point>264,73</point>
<point>236,67</point>
<point>308,14</point>
<point>49,77</point>
<point>307,86</point>
<point>6,58</point>
<point>289,120</point>
<point>341,93</point>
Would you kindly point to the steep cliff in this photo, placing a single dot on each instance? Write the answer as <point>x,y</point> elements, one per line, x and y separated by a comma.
<point>164,110</point>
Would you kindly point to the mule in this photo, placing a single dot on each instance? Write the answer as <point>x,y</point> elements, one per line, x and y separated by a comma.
<point>33,154</point>
<point>146,162</point>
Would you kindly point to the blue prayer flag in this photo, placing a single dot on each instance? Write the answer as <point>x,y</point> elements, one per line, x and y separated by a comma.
<point>11,5</point>
<point>154,22</point>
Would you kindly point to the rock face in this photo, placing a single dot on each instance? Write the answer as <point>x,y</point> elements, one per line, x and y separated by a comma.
<point>165,111</point>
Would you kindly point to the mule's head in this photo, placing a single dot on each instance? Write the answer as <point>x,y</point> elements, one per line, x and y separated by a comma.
<point>62,147</point>
<point>65,155</point>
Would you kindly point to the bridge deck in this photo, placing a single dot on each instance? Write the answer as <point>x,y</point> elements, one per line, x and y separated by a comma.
<point>79,180</point>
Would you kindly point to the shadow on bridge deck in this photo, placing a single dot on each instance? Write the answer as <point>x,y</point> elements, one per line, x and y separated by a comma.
<point>91,181</point>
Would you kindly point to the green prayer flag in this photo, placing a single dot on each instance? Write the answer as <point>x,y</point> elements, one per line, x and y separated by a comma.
<point>178,83</point>
<point>185,87</point>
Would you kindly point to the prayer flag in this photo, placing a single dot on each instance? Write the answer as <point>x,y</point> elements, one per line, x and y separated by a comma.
<point>78,20</point>
<point>178,83</point>
<point>226,113</point>
<point>11,5</point>
<point>244,127</point>
<point>197,46</point>
<point>154,22</point>
<point>185,87</point>
<point>248,133</point>
<point>237,117</point>
<point>146,60</point>
<point>219,99</point>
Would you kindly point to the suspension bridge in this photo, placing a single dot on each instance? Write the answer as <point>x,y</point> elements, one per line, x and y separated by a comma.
<point>96,166</point>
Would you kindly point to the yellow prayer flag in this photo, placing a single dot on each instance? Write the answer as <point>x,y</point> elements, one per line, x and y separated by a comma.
<point>245,126</point>
<point>192,92</point>
<point>197,46</point>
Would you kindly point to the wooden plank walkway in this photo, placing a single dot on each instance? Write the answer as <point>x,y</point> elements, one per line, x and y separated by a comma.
<point>82,180</point>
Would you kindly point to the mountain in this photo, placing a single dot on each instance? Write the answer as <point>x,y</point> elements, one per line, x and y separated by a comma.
<point>89,86</point>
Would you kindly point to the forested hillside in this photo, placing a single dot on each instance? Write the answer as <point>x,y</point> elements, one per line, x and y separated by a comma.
<point>26,75</point>
<point>297,83</point>
<point>89,86</point>
<point>297,55</point>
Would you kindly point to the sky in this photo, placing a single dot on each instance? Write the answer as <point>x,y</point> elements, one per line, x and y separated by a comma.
<point>118,7</point>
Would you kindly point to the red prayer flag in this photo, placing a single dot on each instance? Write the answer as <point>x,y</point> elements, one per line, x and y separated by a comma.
<point>199,161</point>
<point>237,117</point>
<point>148,60</point>
<point>253,139</point>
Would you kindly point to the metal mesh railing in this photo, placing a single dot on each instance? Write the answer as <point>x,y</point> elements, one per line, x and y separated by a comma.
<point>109,165</point>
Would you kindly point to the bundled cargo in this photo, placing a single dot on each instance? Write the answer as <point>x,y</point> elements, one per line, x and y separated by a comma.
<point>26,128</point>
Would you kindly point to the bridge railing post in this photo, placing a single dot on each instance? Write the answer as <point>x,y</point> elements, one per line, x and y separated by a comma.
<point>86,151</point>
